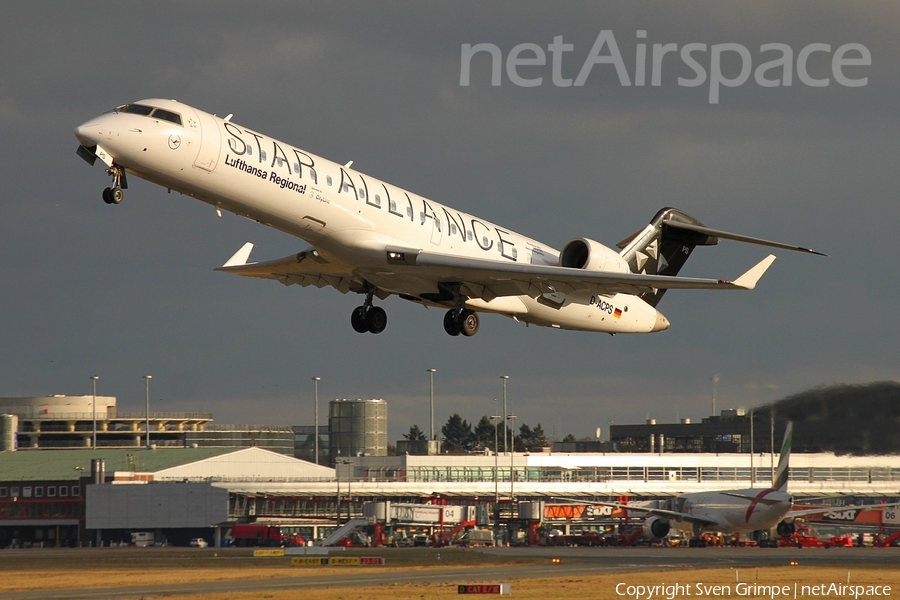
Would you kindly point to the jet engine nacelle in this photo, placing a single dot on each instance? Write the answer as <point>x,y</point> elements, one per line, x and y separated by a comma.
<point>584,253</point>
<point>785,528</point>
<point>656,528</point>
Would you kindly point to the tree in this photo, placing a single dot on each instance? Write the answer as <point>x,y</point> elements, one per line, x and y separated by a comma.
<point>538,437</point>
<point>523,440</point>
<point>415,434</point>
<point>484,434</point>
<point>458,435</point>
<point>569,438</point>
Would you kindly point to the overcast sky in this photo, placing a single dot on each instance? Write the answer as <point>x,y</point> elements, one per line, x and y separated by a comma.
<point>123,291</point>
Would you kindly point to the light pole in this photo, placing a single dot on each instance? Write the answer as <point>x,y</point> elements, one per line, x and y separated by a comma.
<point>94,379</point>
<point>147,379</point>
<point>316,381</point>
<point>512,454</point>
<point>431,374</point>
<point>505,413</point>
<point>715,381</point>
<point>495,419</point>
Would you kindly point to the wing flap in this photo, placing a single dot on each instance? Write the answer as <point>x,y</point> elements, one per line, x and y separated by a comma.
<point>304,269</point>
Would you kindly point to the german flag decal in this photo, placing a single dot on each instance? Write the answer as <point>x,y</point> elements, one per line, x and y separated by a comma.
<point>617,314</point>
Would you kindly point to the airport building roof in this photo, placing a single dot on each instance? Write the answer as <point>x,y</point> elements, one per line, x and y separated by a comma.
<point>71,464</point>
<point>160,464</point>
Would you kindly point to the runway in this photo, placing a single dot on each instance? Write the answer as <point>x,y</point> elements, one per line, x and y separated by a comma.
<point>537,564</point>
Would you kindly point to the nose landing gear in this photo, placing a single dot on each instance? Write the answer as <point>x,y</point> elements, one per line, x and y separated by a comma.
<point>114,194</point>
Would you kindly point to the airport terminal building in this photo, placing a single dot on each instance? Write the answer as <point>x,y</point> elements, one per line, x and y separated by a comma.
<point>80,496</point>
<point>194,480</point>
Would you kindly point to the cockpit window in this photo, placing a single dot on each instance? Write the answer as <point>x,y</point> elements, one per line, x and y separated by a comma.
<point>167,115</point>
<point>136,109</point>
<point>158,113</point>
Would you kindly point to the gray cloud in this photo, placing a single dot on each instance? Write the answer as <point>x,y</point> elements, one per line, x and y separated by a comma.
<point>122,291</point>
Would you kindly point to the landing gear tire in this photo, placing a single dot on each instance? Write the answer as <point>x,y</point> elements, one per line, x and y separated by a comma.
<point>113,195</point>
<point>376,319</point>
<point>358,320</point>
<point>468,322</point>
<point>451,322</point>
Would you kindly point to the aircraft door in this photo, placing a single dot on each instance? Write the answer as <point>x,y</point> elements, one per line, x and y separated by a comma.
<point>210,142</point>
<point>436,230</point>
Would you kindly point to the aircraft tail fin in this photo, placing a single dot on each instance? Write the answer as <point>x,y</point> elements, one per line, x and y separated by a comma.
<point>780,481</point>
<point>659,249</point>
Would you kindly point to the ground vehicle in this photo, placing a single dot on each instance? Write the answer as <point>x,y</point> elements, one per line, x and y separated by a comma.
<point>198,543</point>
<point>142,539</point>
<point>264,535</point>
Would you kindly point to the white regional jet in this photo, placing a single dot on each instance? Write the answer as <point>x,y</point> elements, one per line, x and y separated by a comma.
<point>376,239</point>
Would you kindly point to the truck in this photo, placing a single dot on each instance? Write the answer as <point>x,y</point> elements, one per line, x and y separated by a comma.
<point>264,535</point>
<point>142,539</point>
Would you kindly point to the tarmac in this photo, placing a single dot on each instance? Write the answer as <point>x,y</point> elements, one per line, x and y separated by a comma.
<point>572,562</point>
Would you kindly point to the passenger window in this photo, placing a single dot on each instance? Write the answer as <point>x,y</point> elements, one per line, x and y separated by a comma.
<point>469,235</point>
<point>312,174</point>
<point>453,229</point>
<point>167,115</point>
<point>409,212</point>
<point>328,180</point>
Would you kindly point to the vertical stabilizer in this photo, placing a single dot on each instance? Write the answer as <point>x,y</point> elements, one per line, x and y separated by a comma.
<point>780,482</point>
<point>660,249</point>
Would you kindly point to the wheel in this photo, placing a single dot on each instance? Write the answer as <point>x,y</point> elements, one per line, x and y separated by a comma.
<point>358,320</point>
<point>107,196</point>
<point>116,195</point>
<point>451,322</point>
<point>376,319</point>
<point>468,322</point>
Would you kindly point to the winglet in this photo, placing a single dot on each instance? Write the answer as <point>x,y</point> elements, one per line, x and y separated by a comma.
<point>240,257</point>
<point>748,280</point>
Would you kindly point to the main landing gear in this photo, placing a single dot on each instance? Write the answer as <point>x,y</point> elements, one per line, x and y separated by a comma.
<point>368,318</point>
<point>114,194</point>
<point>461,321</point>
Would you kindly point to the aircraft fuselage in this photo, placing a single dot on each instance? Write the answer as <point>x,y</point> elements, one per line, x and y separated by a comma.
<point>346,215</point>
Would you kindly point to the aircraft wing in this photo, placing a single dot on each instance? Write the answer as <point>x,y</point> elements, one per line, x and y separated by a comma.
<point>305,268</point>
<point>804,512</point>
<point>488,279</point>
<point>660,512</point>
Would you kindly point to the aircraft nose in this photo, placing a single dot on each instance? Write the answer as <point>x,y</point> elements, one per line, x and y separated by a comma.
<point>87,133</point>
<point>661,324</point>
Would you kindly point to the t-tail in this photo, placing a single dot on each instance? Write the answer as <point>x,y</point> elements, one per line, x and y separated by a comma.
<point>665,244</point>
<point>780,481</point>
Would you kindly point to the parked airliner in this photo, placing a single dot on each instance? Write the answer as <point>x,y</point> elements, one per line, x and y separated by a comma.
<point>377,239</point>
<point>733,511</point>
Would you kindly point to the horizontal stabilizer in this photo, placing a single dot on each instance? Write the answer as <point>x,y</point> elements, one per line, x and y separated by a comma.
<point>240,257</point>
<point>737,237</point>
<point>748,280</point>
